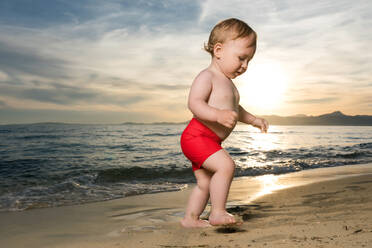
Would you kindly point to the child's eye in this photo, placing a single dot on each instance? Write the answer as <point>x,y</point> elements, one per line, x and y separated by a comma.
<point>241,58</point>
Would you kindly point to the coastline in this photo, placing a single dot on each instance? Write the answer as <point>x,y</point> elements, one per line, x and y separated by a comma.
<point>330,207</point>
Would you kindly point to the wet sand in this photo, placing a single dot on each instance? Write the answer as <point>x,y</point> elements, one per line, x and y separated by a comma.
<point>329,207</point>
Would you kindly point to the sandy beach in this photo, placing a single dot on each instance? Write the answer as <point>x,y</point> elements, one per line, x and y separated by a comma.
<point>328,207</point>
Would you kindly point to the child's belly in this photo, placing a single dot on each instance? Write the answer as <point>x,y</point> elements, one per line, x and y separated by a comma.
<point>220,130</point>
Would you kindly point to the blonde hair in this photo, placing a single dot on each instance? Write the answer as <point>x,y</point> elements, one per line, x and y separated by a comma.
<point>229,29</point>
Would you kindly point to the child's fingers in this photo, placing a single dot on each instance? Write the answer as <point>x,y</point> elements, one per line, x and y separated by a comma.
<point>228,118</point>
<point>230,123</point>
<point>227,123</point>
<point>264,126</point>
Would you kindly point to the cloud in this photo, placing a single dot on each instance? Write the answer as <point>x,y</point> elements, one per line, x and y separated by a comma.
<point>11,116</point>
<point>3,104</point>
<point>15,60</point>
<point>214,11</point>
<point>79,16</point>
<point>306,36</point>
<point>179,87</point>
<point>3,76</point>
<point>123,56</point>
<point>129,38</point>
<point>137,55</point>
<point>68,95</point>
<point>151,50</point>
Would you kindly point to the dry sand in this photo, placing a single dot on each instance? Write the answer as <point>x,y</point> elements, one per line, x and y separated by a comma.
<point>332,213</point>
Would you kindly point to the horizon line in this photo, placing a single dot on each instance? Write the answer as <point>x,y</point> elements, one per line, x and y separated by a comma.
<point>339,113</point>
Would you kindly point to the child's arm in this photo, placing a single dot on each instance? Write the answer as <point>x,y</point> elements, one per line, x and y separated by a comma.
<point>199,94</point>
<point>245,116</point>
<point>248,118</point>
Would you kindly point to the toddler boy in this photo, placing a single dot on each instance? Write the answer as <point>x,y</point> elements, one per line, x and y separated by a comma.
<point>214,102</point>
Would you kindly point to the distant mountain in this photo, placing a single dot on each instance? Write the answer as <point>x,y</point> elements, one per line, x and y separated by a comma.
<point>335,118</point>
<point>154,123</point>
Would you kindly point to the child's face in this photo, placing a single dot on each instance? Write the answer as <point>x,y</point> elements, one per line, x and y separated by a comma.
<point>234,55</point>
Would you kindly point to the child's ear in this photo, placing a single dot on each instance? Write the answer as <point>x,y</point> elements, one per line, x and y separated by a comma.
<point>217,50</point>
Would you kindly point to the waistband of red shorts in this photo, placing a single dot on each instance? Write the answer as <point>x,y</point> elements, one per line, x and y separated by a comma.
<point>196,127</point>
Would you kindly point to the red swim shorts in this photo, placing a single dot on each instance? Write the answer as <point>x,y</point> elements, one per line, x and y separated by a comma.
<point>198,142</point>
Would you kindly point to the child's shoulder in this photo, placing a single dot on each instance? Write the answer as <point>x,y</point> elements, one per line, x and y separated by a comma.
<point>205,75</point>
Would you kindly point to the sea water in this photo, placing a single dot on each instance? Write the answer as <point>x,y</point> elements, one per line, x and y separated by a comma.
<point>52,164</point>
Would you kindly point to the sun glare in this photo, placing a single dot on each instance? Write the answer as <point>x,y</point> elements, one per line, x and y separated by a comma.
<point>269,184</point>
<point>263,85</point>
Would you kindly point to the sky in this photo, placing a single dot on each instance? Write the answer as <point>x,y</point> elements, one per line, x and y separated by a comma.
<point>92,61</point>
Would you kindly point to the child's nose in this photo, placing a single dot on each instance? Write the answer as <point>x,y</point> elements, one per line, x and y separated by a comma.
<point>245,65</point>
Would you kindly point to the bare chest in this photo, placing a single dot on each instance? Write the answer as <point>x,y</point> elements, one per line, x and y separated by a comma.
<point>224,95</point>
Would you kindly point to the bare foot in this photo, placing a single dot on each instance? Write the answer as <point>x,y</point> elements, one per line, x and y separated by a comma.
<point>190,223</point>
<point>223,218</point>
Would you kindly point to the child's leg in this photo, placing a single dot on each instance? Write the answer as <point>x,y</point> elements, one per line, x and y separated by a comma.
<point>222,167</point>
<point>198,200</point>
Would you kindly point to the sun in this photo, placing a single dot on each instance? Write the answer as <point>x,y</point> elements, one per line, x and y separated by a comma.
<point>263,85</point>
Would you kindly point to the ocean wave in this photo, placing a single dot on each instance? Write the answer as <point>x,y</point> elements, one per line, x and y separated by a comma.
<point>56,165</point>
<point>365,145</point>
<point>161,134</point>
<point>235,151</point>
<point>289,166</point>
<point>78,190</point>
<point>123,147</point>
<point>144,174</point>
<point>354,154</point>
<point>40,136</point>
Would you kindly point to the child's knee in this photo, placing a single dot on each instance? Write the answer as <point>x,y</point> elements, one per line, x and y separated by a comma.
<point>203,185</point>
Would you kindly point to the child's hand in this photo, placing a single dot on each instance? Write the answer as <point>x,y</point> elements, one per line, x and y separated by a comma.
<point>261,124</point>
<point>228,118</point>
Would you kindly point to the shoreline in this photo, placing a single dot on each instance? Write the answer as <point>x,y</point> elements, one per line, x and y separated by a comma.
<point>306,207</point>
